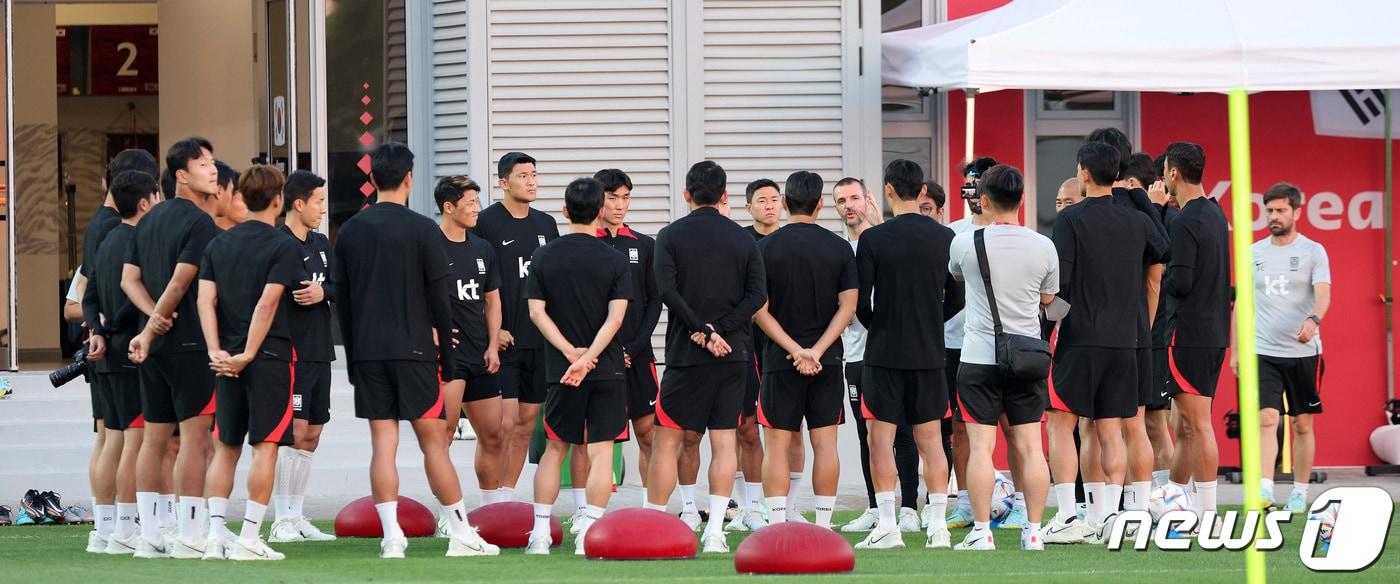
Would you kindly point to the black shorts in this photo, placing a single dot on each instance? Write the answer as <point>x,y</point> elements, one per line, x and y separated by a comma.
<point>176,387</point>
<point>642,389</point>
<point>480,384</point>
<point>1291,386</point>
<point>521,376</point>
<point>121,401</point>
<point>96,393</point>
<point>788,397</point>
<point>952,359</point>
<point>1146,390</point>
<point>1161,399</point>
<point>311,392</point>
<point>397,390</point>
<point>1094,382</point>
<point>595,411</point>
<point>256,405</point>
<point>753,383</point>
<point>985,394</point>
<point>1194,370</point>
<point>702,397</point>
<point>904,396</point>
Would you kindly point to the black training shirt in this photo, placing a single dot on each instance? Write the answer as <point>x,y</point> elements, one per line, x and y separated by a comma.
<point>1159,323</point>
<point>515,241</point>
<point>241,262</point>
<point>903,264</point>
<point>104,297</point>
<point>644,307</point>
<point>173,232</point>
<point>474,273</point>
<point>103,221</point>
<point>1197,282</point>
<point>311,325</point>
<point>709,272</point>
<point>1138,199</point>
<point>807,267</point>
<point>390,277</point>
<point>760,342</point>
<point>577,276</point>
<point>1105,248</point>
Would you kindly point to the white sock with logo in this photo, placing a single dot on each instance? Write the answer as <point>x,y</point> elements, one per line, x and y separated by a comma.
<point>1141,492</point>
<point>754,492</point>
<point>777,509</point>
<point>741,491</point>
<point>826,504</point>
<point>102,518</point>
<point>1064,499</point>
<point>456,515</point>
<point>252,523</point>
<point>190,528</point>
<point>1094,495</point>
<point>1019,502</point>
<point>580,500</point>
<point>167,511</point>
<point>543,513</point>
<point>884,500</point>
<point>688,499</point>
<point>794,484</point>
<point>126,520</point>
<point>148,509</point>
<point>218,515</point>
<point>1113,498</point>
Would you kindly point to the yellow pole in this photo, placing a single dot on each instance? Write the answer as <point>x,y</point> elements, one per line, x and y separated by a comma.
<point>1287,443</point>
<point>1242,211</point>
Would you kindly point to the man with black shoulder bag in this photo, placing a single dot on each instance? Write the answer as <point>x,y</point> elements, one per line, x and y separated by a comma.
<point>1004,362</point>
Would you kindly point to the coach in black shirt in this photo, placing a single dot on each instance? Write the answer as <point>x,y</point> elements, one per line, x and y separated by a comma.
<point>709,273</point>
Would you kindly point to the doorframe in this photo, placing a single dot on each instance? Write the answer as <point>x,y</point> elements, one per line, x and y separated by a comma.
<point>12,354</point>
<point>1127,117</point>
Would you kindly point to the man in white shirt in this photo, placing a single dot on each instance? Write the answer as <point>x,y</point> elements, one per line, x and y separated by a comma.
<point>1025,279</point>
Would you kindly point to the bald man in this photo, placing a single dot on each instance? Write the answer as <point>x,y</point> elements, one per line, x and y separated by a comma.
<point>1068,194</point>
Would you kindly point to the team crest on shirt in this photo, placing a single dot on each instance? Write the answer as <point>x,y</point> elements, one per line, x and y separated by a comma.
<point>323,258</point>
<point>541,240</point>
<point>480,266</point>
<point>633,256</point>
<point>1293,264</point>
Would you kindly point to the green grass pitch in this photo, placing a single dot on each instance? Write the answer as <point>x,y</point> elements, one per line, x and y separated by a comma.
<point>55,554</point>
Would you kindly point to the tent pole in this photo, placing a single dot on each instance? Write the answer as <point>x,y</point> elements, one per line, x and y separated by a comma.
<point>1242,215</point>
<point>969,125</point>
<point>1389,255</point>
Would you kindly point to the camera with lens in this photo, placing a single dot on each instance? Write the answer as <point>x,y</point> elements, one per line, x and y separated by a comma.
<point>970,192</point>
<point>71,371</point>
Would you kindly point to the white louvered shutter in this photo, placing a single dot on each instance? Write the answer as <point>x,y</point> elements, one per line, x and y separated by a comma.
<point>450,116</point>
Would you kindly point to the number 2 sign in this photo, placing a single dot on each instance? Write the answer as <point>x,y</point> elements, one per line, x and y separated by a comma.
<point>124,60</point>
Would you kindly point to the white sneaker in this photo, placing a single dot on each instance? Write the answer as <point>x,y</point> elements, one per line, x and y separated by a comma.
<point>122,547</point>
<point>150,551</point>
<point>908,520</point>
<point>215,548</point>
<point>470,544</point>
<point>1098,533</point>
<point>538,546</point>
<point>938,537</point>
<point>239,551</point>
<point>882,539</point>
<point>976,541</point>
<point>1066,531</point>
<point>926,516</point>
<point>96,543</point>
<point>753,521</point>
<point>866,522</point>
<point>1032,543</point>
<point>392,548</point>
<point>576,522</point>
<point>284,531</point>
<point>310,532</point>
<point>185,551</point>
<point>691,520</point>
<point>443,530</point>
<point>578,543</point>
<point>737,523</point>
<point>795,516</point>
<point>715,544</point>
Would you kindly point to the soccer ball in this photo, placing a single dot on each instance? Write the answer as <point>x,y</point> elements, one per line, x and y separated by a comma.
<point>1003,496</point>
<point>1166,499</point>
<point>1327,519</point>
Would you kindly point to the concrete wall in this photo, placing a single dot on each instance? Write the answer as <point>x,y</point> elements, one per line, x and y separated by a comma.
<point>206,75</point>
<point>36,193</point>
<point>113,13</point>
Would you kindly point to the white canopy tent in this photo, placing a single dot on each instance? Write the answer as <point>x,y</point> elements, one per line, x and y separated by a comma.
<point>1226,46</point>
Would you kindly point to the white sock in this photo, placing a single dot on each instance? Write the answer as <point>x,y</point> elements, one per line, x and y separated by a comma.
<point>1206,491</point>
<point>794,484</point>
<point>543,513</point>
<point>1160,477</point>
<point>1113,497</point>
<point>218,515</point>
<point>741,491</point>
<point>1064,501</point>
<point>148,509</point>
<point>103,517</point>
<point>754,492</point>
<point>826,504</point>
<point>661,508</point>
<point>252,523</point>
<point>506,494</point>
<point>1267,486</point>
<point>201,519</point>
<point>1019,502</point>
<point>1301,489</point>
<point>281,506</point>
<point>488,497</point>
<point>718,503</point>
<point>1184,488</point>
<point>644,496</point>
<point>591,515</point>
<point>301,474</point>
<point>1142,491</point>
<point>126,520</point>
<point>981,526</point>
<point>964,502</point>
<point>456,515</point>
<point>93,502</point>
<point>777,509</point>
<point>1030,530</point>
<point>688,499</point>
<point>885,501</point>
<point>167,511</point>
<point>580,499</point>
<point>1094,495</point>
<point>389,518</point>
<point>939,515</point>
<point>190,528</point>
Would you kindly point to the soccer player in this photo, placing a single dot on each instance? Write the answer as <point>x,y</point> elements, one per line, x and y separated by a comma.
<point>578,291</point>
<point>112,320</point>
<point>1026,277</point>
<point>906,259</point>
<point>1294,291</point>
<point>709,273</point>
<point>242,278</point>
<point>474,289</point>
<point>515,231</point>
<point>763,200</point>
<point>177,385</point>
<point>391,277</point>
<point>643,311</point>
<point>811,275</point>
<point>1158,415</point>
<point>308,311</point>
<point>1104,249</point>
<point>1197,286</point>
<point>228,209</point>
